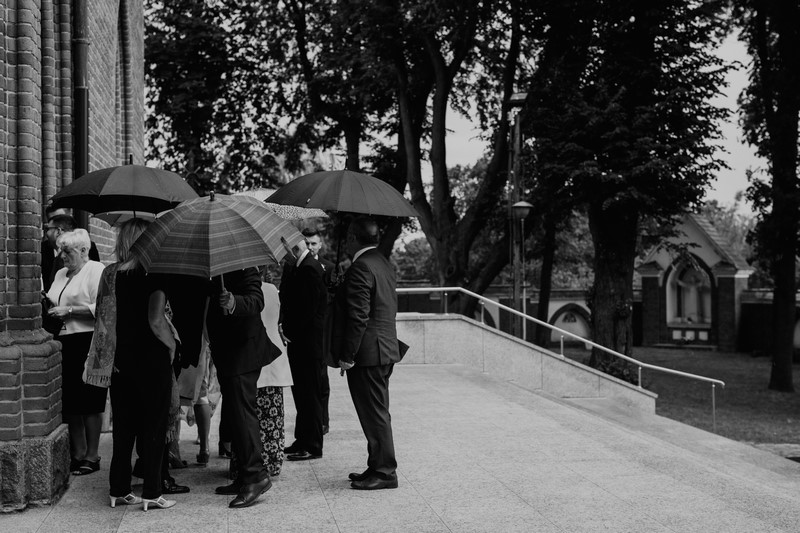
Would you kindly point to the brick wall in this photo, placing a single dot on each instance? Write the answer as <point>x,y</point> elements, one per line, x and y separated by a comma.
<point>36,160</point>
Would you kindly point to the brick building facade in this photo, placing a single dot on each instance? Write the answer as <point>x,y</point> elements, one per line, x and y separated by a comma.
<point>37,147</point>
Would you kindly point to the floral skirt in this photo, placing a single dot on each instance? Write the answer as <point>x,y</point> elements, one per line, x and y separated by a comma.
<point>269,409</point>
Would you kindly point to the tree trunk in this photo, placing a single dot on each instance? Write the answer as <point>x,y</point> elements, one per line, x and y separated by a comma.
<point>614,233</point>
<point>542,334</point>
<point>352,139</point>
<point>785,214</point>
<point>498,260</point>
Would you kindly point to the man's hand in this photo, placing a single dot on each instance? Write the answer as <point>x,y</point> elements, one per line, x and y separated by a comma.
<point>227,302</point>
<point>346,365</point>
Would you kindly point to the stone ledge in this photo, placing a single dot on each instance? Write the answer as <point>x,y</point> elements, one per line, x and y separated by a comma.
<point>34,471</point>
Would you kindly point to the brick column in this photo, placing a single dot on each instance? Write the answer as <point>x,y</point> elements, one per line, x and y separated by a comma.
<point>34,449</point>
<point>730,284</point>
<point>652,303</point>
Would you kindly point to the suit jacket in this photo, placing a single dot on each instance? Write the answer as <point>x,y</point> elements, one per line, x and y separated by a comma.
<point>239,342</point>
<point>364,327</point>
<point>304,298</point>
<point>327,267</point>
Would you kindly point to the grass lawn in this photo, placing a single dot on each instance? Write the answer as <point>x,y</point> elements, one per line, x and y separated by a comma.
<point>746,409</point>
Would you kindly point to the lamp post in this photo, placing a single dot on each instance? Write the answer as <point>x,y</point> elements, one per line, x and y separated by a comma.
<point>520,211</point>
<point>516,101</point>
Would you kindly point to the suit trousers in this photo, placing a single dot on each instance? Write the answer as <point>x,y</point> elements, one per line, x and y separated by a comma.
<point>239,413</point>
<point>369,388</point>
<point>140,405</point>
<point>307,395</point>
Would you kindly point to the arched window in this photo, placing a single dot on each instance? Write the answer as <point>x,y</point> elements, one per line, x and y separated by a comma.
<point>689,295</point>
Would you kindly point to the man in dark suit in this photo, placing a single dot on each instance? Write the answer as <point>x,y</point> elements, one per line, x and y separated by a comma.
<point>239,348</point>
<point>314,243</point>
<point>365,344</point>
<point>304,299</point>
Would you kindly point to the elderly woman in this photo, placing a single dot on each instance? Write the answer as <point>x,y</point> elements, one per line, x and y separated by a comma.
<point>72,295</point>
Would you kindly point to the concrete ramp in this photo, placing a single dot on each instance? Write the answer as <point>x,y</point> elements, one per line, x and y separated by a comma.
<point>436,339</point>
<point>475,454</point>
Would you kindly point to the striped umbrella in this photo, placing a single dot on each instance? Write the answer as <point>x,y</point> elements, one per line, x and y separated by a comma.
<point>216,234</point>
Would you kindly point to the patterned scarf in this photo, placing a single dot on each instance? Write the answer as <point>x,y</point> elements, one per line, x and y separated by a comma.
<point>100,361</point>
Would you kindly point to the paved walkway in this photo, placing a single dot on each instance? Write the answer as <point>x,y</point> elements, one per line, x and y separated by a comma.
<point>475,454</point>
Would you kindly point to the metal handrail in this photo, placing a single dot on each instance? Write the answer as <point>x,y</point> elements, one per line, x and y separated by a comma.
<point>640,365</point>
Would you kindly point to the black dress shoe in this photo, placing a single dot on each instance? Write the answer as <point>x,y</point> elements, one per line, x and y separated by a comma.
<point>168,486</point>
<point>354,476</point>
<point>250,493</point>
<point>375,483</point>
<point>302,456</point>
<point>294,448</point>
<point>229,490</point>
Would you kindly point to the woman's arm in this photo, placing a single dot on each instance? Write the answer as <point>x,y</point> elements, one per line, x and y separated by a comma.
<point>158,321</point>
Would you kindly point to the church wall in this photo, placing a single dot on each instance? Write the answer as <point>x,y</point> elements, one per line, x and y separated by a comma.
<point>36,160</point>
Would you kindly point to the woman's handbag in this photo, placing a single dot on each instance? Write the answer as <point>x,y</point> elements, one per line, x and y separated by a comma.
<point>51,324</point>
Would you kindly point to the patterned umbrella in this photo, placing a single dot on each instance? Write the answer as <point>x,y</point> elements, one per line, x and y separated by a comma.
<point>132,188</point>
<point>212,235</point>
<point>288,212</point>
<point>344,191</point>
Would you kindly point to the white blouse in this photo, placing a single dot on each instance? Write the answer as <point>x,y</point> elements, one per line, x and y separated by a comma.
<point>82,290</point>
<point>277,373</point>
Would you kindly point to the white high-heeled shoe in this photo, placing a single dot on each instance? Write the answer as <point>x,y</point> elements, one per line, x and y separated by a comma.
<point>130,499</point>
<point>158,503</point>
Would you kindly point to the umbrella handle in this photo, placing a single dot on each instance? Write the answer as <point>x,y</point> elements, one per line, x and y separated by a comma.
<point>222,282</point>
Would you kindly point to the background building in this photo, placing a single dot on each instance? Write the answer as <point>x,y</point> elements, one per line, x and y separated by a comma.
<point>71,101</point>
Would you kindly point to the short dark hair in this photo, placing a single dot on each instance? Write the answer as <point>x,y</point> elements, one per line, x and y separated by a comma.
<point>365,230</point>
<point>309,232</point>
<point>65,222</point>
<point>49,210</point>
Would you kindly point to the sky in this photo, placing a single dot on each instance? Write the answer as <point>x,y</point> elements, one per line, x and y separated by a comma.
<point>464,147</point>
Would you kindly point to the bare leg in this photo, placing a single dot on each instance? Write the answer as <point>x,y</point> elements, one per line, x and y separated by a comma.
<point>92,425</point>
<point>77,436</point>
<point>202,415</point>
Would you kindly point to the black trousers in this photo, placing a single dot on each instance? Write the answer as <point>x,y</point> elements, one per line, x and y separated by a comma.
<point>307,395</point>
<point>140,406</point>
<point>369,388</point>
<point>325,390</point>
<point>239,413</point>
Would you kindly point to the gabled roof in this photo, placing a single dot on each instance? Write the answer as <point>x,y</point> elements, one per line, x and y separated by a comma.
<point>726,252</point>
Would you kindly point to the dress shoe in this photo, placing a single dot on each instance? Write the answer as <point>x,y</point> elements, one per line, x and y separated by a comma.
<point>168,486</point>
<point>375,483</point>
<point>355,476</point>
<point>302,455</point>
<point>294,448</point>
<point>229,490</point>
<point>250,493</point>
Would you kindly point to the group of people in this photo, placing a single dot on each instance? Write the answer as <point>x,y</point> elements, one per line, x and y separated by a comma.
<point>134,333</point>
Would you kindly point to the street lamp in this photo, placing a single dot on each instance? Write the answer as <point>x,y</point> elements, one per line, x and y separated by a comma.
<point>516,101</point>
<point>520,211</point>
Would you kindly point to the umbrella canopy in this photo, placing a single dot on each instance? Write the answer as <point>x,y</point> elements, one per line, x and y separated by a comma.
<point>213,235</point>
<point>288,212</point>
<point>344,190</point>
<point>117,218</point>
<point>125,188</point>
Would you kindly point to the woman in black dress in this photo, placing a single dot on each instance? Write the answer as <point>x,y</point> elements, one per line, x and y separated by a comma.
<point>141,385</point>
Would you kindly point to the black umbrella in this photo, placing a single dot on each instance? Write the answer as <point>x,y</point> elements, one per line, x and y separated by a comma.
<point>132,188</point>
<point>344,191</point>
